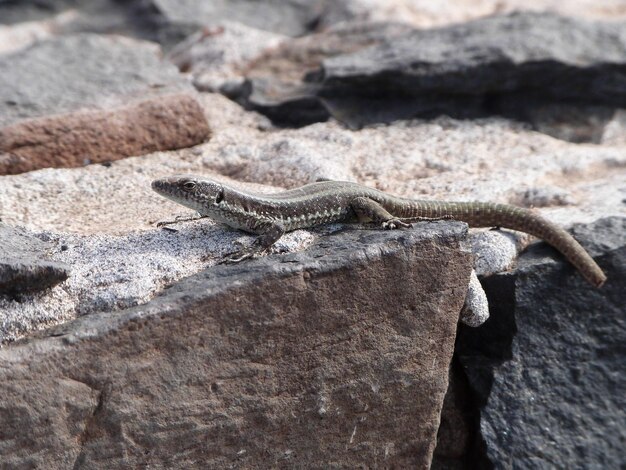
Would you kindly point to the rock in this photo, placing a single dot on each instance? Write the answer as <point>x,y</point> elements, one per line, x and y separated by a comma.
<point>502,52</point>
<point>169,22</point>
<point>546,366</point>
<point>475,311</point>
<point>495,250</point>
<point>288,17</point>
<point>33,10</point>
<point>281,80</point>
<point>505,64</point>
<point>105,215</point>
<point>24,264</point>
<point>29,21</point>
<point>574,122</point>
<point>615,130</point>
<point>284,359</point>
<point>143,106</point>
<point>513,65</point>
<point>218,52</point>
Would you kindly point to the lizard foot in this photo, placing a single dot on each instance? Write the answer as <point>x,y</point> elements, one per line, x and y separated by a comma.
<point>241,255</point>
<point>177,219</point>
<point>394,224</point>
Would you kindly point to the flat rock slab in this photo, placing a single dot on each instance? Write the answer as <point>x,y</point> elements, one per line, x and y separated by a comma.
<point>511,65</point>
<point>548,368</point>
<point>86,98</point>
<point>24,267</point>
<point>335,356</point>
<point>564,75</point>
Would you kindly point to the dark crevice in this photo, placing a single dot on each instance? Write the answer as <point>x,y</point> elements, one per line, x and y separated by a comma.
<point>478,351</point>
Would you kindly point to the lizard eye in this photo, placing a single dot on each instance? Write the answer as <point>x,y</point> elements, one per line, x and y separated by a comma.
<point>189,185</point>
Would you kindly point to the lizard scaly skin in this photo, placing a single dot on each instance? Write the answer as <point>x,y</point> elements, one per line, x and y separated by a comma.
<point>271,215</point>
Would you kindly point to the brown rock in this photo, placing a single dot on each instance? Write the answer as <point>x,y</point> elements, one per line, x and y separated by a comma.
<point>334,357</point>
<point>75,139</point>
<point>102,98</point>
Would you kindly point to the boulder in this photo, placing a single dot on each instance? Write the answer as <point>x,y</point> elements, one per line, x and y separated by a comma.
<point>335,356</point>
<point>547,368</point>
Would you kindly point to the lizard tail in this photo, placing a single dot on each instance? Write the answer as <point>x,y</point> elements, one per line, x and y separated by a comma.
<point>486,214</point>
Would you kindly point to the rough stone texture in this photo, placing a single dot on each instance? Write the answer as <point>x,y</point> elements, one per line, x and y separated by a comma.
<point>28,21</point>
<point>116,272</point>
<point>279,79</point>
<point>505,64</point>
<point>105,214</point>
<point>504,53</point>
<point>24,264</point>
<point>564,76</point>
<point>290,17</point>
<point>79,138</point>
<point>496,250</point>
<point>218,54</point>
<point>12,12</point>
<point>548,368</point>
<point>476,308</point>
<point>325,370</point>
<point>456,429</point>
<point>169,22</point>
<point>615,130</point>
<point>99,219</point>
<point>100,99</point>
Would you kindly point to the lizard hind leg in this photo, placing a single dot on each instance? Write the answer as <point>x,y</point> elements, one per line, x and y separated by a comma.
<point>368,209</point>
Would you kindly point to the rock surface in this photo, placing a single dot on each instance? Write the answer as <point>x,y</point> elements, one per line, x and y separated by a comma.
<point>546,369</point>
<point>164,369</point>
<point>105,215</point>
<point>24,264</point>
<point>281,80</point>
<point>123,101</point>
<point>168,22</point>
<point>527,66</point>
<point>324,368</point>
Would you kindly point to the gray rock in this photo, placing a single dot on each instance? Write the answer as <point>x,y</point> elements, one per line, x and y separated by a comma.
<point>554,55</point>
<point>282,83</point>
<point>312,357</point>
<point>564,76</point>
<point>24,268</point>
<point>475,312</point>
<point>87,71</point>
<point>549,366</point>
<point>290,17</point>
<point>58,17</point>
<point>12,12</point>
<point>100,99</point>
<point>501,64</point>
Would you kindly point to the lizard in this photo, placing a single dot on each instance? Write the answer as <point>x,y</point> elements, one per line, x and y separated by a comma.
<point>271,215</point>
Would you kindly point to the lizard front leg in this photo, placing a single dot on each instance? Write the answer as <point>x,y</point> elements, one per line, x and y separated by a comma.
<point>178,219</point>
<point>269,233</point>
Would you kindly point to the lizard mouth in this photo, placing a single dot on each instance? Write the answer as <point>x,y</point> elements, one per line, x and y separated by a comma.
<point>158,186</point>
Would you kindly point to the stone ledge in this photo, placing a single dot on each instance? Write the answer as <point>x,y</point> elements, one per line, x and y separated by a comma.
<point>337,355</point>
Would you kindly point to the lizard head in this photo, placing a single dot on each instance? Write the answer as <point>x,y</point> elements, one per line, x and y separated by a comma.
<point>195,192</point>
